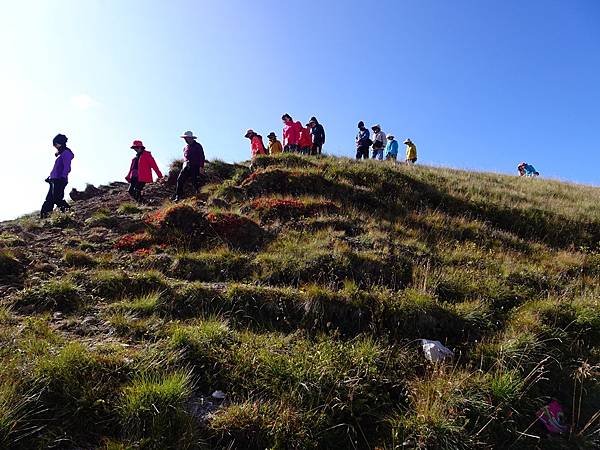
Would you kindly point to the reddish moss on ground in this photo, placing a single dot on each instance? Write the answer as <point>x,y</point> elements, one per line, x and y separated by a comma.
<point>134,242</point>
<point>236,230</point>
<point>289,208</point>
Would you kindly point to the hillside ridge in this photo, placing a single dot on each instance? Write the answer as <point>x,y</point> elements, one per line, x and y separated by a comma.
<point>297,292</point>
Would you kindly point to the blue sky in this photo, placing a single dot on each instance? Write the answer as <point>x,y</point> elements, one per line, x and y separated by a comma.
<point>476,84</point>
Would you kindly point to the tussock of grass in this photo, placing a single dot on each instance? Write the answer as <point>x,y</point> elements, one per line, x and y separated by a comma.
<point>9,265</point>
<point>259,425</point>
<point>79,258</point>
<point>129,208</point>
<point>217,265</point>
<point>79,388</point>
<point>153,410</point>
<point>102,218</point>
<point>143,305</point>
<point>114,284</point>
<point>54,295</point>
<point>11,240</point>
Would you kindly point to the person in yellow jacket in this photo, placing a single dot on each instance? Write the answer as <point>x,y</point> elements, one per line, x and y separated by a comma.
<point>274,144</point>
<point>411,152</point>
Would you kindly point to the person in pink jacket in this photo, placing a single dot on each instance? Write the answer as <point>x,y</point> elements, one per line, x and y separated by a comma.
<point>256,143</point>
<point>140,171</point>
<point>291,133</point>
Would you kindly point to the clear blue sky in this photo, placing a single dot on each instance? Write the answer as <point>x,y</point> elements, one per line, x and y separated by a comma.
<point>475,83</point>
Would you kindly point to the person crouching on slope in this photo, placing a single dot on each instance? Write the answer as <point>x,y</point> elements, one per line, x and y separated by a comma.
<point>275,146</point>
<point>305,140</point>
<point>140,171</point>
<point>411,152</point>
<point>291,134</point>
<point>527,170</point>
<point>59,177</point>
<point>256,143</point>
<point>391,148</point>
<point>193,164</point>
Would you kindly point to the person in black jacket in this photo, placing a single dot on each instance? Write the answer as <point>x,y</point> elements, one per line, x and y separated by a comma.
<point>318,133</point>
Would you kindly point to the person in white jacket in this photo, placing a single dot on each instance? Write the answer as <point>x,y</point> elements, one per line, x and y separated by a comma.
<point>379,142</point>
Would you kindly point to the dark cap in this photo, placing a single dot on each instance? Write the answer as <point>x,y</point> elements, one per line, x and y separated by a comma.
<point>59,139</point>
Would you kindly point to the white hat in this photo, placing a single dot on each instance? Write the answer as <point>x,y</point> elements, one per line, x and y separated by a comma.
<point>188,134</point>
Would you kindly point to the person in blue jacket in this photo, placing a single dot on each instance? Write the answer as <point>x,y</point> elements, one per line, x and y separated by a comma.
<point>527,170</point>
<point>391,148</point>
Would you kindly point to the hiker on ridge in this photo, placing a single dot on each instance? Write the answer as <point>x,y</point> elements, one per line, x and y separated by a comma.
<point>193,164</point>
<point>379,142</point>
<point>391,148</point>
<point>363,141</point>
<point>291,134</point>
<point>305,140</point>
<point>527,170</point>
<point>318,136</point>
<point>411,152</point>
<point>140,171</point>
<point>256,143</point>
<point>59,177</point>
<point>275,146</point>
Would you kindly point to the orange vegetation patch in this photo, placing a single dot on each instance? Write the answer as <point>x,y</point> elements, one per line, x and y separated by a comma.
<point>238,231</point>
<point>287,208</point>
<point>134,241</point>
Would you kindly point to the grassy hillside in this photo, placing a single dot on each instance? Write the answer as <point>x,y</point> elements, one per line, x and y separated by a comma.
<point>300,290</point>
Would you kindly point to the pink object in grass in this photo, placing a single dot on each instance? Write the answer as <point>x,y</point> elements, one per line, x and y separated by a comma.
<point>553,418</point>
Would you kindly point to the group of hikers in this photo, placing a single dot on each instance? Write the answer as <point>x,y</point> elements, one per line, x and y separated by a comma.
<point>307,140</point>
<point>381,145</point>
<point>297,138</point>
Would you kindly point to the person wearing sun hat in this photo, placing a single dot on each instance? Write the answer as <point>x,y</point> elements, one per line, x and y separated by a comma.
<point>193,164</point>
<point>59,177</point>
<point>140,170</point>
<point>257,147</point>
<point>411,151</point>
<point>391,148</point>
<point>275,146</point>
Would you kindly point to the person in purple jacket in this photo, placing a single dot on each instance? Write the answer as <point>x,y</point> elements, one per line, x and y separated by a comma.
<point>193,164</point>
<point>59,177</point>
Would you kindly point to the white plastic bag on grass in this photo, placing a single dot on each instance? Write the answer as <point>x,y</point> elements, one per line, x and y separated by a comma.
<point>435,351</point>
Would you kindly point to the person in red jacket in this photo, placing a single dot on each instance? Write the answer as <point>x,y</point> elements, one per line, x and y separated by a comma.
<point>140,171</point>
<point>256,143</point>
<point>305,140</point>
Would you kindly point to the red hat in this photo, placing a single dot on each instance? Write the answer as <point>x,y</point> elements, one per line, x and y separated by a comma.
<point>138,144</point>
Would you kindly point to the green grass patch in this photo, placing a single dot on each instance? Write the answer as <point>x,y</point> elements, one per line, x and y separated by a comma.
<point>54,295</point>
<point>79,258</point>
<point>153,410</point>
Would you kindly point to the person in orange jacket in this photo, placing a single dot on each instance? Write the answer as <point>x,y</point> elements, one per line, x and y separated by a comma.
<point>256,143</point>
<point>275,146</point>
<point>140,171</point>
<point>305,140</point>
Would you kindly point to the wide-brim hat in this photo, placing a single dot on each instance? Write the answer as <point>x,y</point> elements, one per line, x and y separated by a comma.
<point>376,126</point>
<point>188,134</point>
<point>249,133</point>
<point>138,144</point>
<point>272,135</point>
<point>390,136</point>
<point>408,141</point>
